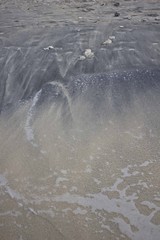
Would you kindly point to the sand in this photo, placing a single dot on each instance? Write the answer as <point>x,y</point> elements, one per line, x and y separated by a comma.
<point>98,185</point>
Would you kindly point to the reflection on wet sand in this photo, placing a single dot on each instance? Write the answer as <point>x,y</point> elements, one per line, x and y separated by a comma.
<point>97,183</point>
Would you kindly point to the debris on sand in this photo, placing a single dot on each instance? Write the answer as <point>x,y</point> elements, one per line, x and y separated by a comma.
<point>117,14</point>
<point>48,48</point>
<point>88,53</point>
<point>81,58</point>
<point>108,41</point>
<point>116,4</point>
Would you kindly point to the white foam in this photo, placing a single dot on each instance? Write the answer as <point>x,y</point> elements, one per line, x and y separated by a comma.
<point>65,92</point>
<point>138,137</point>
<point>3,180</point>
<point>63,171</point>
<point>60,180</point>
<point>80,211</point>
<point>146,163</point>
<point>88,169</point>
<point>49,212</point>
<point>96,181</point>
<point>11,213</point>
<point>100,201</point>
<point>12,193</point>
<point>32,210</point>
<point>28,124</point>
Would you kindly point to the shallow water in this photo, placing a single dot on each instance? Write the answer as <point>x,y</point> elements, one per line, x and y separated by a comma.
<point>84,181</point>
<point>78,169</point>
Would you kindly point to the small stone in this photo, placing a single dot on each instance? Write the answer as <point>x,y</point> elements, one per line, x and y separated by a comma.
<point>88,53</point>
<point>117,14</point>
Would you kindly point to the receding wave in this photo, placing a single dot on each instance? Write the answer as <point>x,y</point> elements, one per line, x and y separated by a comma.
<point>96,178</point>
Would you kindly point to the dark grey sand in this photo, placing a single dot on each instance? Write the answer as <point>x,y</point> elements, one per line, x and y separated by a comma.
<point>80,183</point>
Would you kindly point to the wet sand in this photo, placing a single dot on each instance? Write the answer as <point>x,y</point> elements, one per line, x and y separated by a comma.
<point>86,184</point>
<point>101,184</point>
